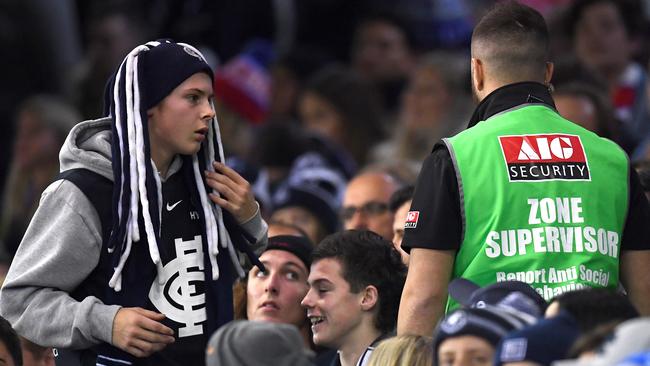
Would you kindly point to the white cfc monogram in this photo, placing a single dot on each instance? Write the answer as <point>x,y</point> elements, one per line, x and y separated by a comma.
<point>177,297</point>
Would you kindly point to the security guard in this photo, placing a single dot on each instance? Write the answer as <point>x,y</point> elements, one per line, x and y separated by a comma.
<point>522,194</point>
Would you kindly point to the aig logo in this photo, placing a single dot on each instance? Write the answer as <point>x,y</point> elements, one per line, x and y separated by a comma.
<point>544,157</point>
<point>558,148</point>
<point>411,219</point>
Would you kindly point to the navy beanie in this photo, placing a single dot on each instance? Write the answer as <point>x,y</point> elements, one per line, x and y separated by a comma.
<point>164,67</point>
<point>469,294</point>
<point>490,325</point>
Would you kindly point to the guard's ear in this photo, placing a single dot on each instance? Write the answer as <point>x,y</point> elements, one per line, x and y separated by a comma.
<point>370,298</point>
<point>478,74</point>
<point>548,73</point>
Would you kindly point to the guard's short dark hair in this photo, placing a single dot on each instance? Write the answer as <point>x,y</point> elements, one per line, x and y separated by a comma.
<point>368,259</point>
<point>513,39</point>
<point>11,341</point>
<point>399,197</point>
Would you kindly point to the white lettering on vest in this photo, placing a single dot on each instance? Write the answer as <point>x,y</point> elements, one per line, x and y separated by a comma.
<point>560,209</point>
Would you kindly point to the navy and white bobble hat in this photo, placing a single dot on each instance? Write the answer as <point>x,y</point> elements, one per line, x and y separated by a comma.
<point>515,294</point>
<point>490,324</point>
<point>145,77</point>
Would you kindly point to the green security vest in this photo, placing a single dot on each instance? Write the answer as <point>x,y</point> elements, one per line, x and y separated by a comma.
<point>543,201</point>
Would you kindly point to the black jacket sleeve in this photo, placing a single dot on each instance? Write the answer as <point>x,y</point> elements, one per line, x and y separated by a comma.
<point>437,203</point>
<point>636,233</point>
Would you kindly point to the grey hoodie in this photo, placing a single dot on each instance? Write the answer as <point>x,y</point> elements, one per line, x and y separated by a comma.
<point>62,246</point>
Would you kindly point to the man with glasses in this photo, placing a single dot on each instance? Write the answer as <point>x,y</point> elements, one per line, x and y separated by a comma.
<point>365,203</point>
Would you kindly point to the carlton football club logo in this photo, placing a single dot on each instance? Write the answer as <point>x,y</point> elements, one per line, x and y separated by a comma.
<point>544,157</point>
<point>191,52</point>
<point>177,298</point>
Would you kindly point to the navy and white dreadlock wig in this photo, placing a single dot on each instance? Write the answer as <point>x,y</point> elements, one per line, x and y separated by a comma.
<point>146,76</point>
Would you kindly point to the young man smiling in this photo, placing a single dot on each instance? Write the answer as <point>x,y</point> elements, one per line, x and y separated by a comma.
<point>355,283</point>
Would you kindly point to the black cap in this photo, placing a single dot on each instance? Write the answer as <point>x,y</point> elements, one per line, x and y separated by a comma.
<point>300,246</point>
<point>469,294</point>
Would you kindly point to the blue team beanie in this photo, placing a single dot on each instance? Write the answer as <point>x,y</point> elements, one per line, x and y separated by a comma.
<point>547,341</point>
<point>164,67</point>
<point>490,324</point>
<point>148,74</point>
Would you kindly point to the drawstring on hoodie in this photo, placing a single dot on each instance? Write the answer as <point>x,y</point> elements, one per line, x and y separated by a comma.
<point>135,143</point>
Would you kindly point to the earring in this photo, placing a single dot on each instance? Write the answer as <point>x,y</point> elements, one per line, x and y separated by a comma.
<point>550,87</point>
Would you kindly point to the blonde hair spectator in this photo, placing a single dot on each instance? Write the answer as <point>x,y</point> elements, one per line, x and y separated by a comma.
<point>406,350</point>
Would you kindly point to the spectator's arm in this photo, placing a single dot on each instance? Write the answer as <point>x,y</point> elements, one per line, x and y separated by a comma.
<point>236,196</point>
<point>635,276</point>
<point>425,292</point>
<point>59,250</point>
<point>257,227</point>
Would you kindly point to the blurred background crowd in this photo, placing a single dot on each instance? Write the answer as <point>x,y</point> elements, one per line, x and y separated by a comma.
<point>308,93</point>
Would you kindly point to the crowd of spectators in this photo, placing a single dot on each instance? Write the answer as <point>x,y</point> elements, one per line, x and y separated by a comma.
<point>328,109</point>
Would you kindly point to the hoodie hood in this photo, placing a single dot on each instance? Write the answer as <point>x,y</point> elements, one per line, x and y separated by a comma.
<point>88,146</point>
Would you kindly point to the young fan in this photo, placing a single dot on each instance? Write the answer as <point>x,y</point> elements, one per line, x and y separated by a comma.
<point>132,252</point>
